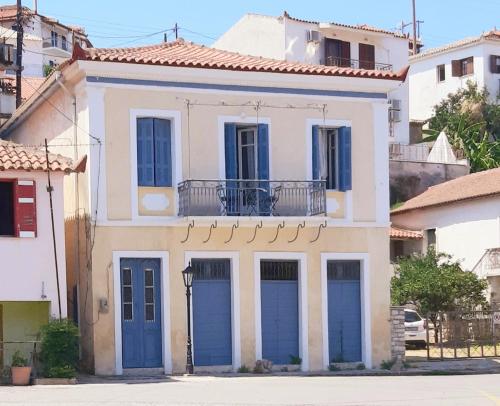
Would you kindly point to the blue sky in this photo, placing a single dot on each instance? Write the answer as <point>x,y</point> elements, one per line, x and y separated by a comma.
<point>129,23</point>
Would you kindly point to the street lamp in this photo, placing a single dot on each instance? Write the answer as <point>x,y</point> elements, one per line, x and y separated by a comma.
<point>187,275</point>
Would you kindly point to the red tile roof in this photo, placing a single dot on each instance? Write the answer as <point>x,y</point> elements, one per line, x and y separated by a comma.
<point>473,186</point>
<point>402,234</point>
<point>362,27</point>
<point>17,157</point>
<point>181,53</point>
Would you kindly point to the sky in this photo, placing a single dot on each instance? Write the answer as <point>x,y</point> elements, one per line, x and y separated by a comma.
<point>112,23</point>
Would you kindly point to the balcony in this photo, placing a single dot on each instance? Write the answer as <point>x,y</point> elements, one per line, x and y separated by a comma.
<point>356,64</point>
<point>58,47</point>
<point>251,198</point>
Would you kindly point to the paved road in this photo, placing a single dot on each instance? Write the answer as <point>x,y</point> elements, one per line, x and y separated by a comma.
<point>474,390</point>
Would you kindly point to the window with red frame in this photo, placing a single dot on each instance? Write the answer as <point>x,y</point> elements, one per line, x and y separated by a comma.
<point>17,208</point>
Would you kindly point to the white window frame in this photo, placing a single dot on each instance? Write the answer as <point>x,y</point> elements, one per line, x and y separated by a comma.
<point>301,257</point>
<point>366,336</point>
<point>165,305</point>
<point>175,120</point>
<point>234,258</point>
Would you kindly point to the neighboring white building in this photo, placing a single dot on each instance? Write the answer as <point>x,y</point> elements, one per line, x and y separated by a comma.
<point>28,287</point>
<point>47,42</point>
<point>461,218</point>
<point>312,42</point>
<point>437,72</point>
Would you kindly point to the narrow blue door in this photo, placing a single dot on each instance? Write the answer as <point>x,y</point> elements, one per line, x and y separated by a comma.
<point>141,313</point>
<point>279,311</point>
<point>344,311</point>
<point>212,338</point>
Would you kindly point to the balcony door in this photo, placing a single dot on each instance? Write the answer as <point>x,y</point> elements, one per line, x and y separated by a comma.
<point>337,52</point>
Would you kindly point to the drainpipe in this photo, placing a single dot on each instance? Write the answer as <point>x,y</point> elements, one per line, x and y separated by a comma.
<point>76,186</point>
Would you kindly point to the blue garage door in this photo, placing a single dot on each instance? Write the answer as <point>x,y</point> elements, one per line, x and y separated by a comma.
<point>279,310</point>
<point>141,313</point>
<point>212,342</point>
<point>344,311</point>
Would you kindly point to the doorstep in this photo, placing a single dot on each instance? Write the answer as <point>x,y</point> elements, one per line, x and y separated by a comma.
<point>54,381</point>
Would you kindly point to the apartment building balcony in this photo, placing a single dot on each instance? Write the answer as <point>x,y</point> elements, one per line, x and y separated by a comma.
<point>356,63</point>
<point>57,47</point>
<point>489,264</point>
<point>242,197</point>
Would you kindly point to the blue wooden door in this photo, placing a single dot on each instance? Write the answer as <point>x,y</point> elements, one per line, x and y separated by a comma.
<point>344,311</point>
<point>279,311</point>
<point>212,337</point>
<point>141,313</point>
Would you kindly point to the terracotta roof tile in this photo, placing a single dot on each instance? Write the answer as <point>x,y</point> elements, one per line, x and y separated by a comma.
<point>403,234</point>
<point>17,157</point>
<point>473,186</point>
<point>180,53</point>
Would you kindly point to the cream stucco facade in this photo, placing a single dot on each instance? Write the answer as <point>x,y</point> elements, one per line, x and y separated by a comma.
<point>128,221</point>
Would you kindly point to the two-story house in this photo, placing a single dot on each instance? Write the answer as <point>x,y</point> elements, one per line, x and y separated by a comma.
<point>269,177</point>
<point>31,292</point>
<point>47,41</point>
<point>328,44</point>
<point>438,72</point>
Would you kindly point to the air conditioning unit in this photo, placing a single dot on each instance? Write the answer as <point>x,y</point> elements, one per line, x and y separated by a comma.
<point>313,36</point>
<point>395,111</point>
<point>6,54</point>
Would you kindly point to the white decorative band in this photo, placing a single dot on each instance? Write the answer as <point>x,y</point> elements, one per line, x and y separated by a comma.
<point>26,200</point>
<point>27,234</point>
<point>25,182</point>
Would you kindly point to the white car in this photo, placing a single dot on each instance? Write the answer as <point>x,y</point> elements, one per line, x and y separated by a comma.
<point>415,329</point>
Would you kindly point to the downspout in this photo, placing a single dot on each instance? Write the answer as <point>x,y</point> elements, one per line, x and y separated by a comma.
<point>76,189</point>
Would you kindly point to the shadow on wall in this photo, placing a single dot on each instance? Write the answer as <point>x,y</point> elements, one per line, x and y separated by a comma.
<point>409,179</point>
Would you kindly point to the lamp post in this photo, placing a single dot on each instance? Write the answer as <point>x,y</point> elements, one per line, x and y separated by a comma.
<point>187,275</point>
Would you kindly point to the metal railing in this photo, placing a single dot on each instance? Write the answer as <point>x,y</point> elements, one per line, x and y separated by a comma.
<point>251,198</point>
<point>52,43</point>
<point>419,152</point>
<point>488,264</point>
<point>356,63</point>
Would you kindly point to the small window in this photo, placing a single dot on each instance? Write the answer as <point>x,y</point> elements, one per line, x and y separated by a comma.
<point>495,64</point>
<point>54,38</point>
<point>7,227</point>
<point>431,237</point>
<point>154,152</point>
<point>127,301</point>
<point>462,67</point>
<point>149,295</point>
<point>64,43</point>
<point>441,75</point>
<point>412,317</point>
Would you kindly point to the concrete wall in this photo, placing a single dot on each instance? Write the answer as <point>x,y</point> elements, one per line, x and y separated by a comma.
<point>28,263</point>
<point>464,230</point>
<point>409,179</point>
<point>22,322</point>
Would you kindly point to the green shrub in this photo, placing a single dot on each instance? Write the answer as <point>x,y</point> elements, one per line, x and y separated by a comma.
<point>294,360</point>
<point>333,368</point>
<point>360,366</point>
<point>387,364</point>
<point>59,349</point>
<point>243,370</point>
<point>18,360</point>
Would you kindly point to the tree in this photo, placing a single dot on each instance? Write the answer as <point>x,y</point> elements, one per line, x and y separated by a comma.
<point>435,283</point>
<point>472,124</point>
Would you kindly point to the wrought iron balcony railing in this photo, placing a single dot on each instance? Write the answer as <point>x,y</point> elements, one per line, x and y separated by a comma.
<point>251,198</point>
<point>356,64</point>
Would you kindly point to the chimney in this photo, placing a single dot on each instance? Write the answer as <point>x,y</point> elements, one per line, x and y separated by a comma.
<point>35,6</point>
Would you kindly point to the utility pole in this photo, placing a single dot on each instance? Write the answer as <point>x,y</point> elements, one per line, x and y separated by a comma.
<point>50,189</point>
<point>19,51</point>
<point>414,29</point>
<point>176,30</point>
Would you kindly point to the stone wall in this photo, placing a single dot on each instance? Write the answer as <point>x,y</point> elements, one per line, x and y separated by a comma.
<point>410,178</point>
<point>398,332</point>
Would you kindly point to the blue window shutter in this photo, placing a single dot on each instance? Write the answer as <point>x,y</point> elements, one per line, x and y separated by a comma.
<point>231,152</point>
<point>163,152</point>
<point>145,152</point>
<point>345,165</point>
<point>263,152</point>
<point>315,152</point>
